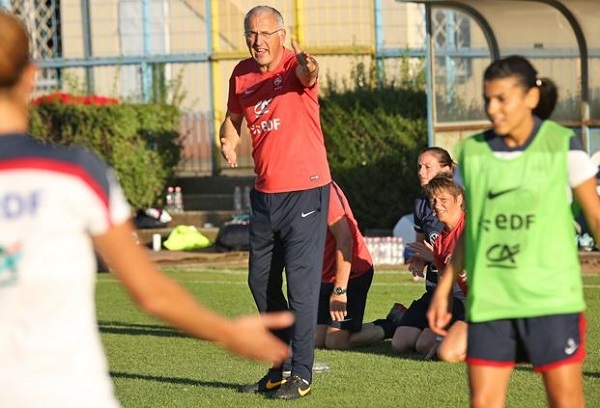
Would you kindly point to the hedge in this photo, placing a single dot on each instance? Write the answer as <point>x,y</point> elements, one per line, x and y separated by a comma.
<point>141,142</point>
<point>372,133</point>
<point>373,137</point>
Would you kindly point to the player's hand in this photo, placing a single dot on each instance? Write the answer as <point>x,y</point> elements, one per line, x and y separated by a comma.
<point>416,266</point>
<point>337,307</point>
<point>307,64</point>
<point>228,152</point>
<point>432,354</point>
<point>423,250</point>
<point>438,315</point>
<point>254,340</point>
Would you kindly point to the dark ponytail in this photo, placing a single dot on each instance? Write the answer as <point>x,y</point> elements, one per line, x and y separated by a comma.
<point>548,98</point>
<point>521,69</point>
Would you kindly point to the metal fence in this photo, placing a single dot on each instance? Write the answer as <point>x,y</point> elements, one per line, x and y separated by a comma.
<point>183,51</point>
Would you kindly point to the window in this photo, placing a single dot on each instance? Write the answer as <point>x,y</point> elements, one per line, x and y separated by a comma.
<point>42,18</point>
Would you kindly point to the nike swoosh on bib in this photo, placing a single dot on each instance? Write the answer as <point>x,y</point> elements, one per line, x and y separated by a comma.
<point>306,214</point>
<point>495,194</point>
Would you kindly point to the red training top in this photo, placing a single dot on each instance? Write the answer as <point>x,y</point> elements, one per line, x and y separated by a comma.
<point>361,258</point>
<point>283,118</point>
<point>443,247</point>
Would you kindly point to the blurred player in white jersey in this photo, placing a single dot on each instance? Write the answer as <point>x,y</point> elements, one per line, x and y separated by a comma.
<point>57,205</point>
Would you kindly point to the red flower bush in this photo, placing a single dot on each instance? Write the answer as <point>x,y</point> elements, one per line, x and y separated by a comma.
<point>68,99</point>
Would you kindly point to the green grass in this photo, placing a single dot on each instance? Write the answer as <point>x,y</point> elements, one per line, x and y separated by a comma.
<point>155,366</point>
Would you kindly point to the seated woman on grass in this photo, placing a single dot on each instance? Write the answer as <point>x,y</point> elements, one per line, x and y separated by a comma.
<point>446,199</point>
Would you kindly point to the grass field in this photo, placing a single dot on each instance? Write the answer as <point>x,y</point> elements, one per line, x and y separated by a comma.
<point>155,366</point>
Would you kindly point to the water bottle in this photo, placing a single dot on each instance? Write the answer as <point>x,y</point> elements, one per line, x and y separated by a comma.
<point>399,244</point>
<point>402,250</point>
<point>156,242</point>
<point>170,199</point>
<point>178,199</point>
<point>320,367</point>
<point>376,250</point>
<point>246,198</point>
<point>237,198</point>
<point>386,249</point>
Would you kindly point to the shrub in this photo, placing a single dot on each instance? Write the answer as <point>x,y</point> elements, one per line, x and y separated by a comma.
<point>140,142</point>
<point>373,138</point>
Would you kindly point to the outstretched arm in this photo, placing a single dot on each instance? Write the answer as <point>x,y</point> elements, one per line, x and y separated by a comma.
<point>163,298</point>
<point>308,68</point>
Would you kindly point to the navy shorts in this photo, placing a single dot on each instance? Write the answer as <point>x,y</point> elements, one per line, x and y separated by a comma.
<point>546,342</point>
<point>357,300</point>
<point>416,315</point>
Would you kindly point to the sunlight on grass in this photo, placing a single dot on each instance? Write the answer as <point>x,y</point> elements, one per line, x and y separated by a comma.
<point>153,365</point>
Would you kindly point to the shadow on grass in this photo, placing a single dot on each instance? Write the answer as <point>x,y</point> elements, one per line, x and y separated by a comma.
<point>528,367</point>
<point>384,348</point>
<point>177,380</point>
<point>134,329</point>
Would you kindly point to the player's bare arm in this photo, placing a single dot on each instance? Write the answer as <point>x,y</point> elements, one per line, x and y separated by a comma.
<point>229,134</point>
<point>344,242</point>
<point>438,315</point>
<point>587,196</point>
<point>308,68</point>
<point>158,295</point>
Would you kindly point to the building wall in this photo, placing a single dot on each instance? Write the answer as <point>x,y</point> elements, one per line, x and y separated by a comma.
<point>179,28</point>
<point>341,33</point>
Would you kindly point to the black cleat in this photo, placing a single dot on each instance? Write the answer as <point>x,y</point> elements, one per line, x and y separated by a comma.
<point>294,387</point>
<point>270,382</point>
<point>396,313</point>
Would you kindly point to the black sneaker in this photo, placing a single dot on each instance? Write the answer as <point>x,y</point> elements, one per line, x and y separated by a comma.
<point>294,387</point>
<point>270,382</point>
<point>396,313</point>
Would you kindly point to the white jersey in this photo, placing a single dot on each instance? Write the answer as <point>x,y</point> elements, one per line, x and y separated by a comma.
<point>52,200</point>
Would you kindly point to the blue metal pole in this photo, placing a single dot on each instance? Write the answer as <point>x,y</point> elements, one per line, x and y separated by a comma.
<point>147,44</point>
<point>211,93</point>
<point>87,44</point>
<point>378,41</point>
<point>429,61</point>
<point>450,67</point>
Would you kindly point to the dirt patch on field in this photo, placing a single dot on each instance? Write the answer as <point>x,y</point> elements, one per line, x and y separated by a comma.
<point>590,261</point>
<point>207,258</point>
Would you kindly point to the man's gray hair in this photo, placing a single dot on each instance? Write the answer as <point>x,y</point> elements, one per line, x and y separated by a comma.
<point>263,9</point>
